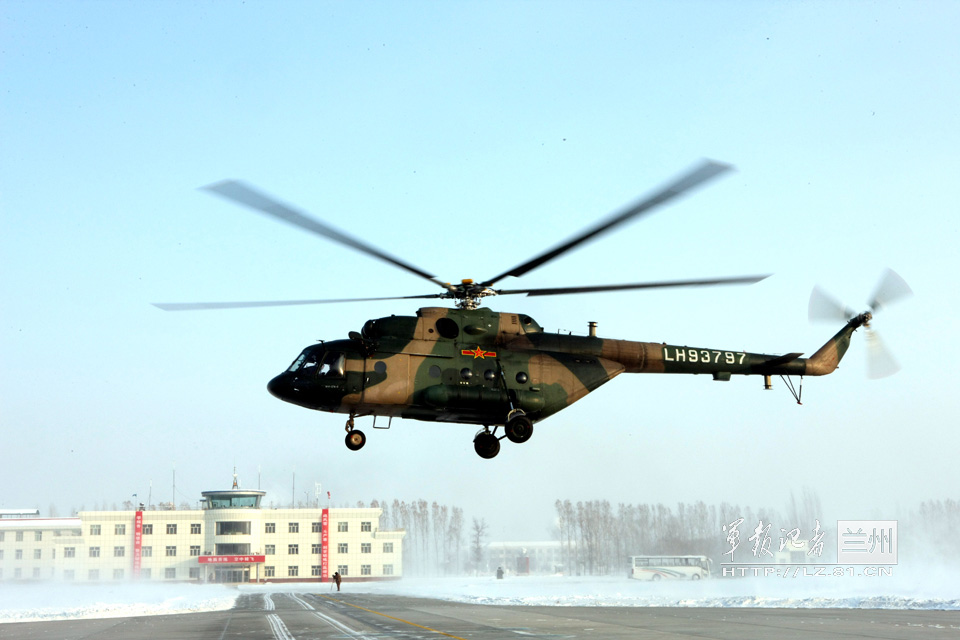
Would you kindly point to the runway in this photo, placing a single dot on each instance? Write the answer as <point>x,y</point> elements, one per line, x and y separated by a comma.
<point>303,616</point>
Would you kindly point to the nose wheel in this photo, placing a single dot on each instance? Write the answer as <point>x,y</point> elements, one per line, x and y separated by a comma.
<point>486,444</point>
<point>355,438</point>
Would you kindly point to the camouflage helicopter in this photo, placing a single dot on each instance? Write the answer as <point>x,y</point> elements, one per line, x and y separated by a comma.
<point>471,365</point>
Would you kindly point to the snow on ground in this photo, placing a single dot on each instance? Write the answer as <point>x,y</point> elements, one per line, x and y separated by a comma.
<point>929,589</point>
<point>42,601</point>
<point>886,592</point>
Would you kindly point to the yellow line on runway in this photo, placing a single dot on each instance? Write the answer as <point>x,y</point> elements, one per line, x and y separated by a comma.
<point>412,624</point>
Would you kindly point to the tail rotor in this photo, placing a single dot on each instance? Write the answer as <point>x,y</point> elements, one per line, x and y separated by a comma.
<point>890,289</point>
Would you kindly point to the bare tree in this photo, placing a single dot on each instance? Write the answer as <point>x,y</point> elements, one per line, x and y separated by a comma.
<point>478,537</point>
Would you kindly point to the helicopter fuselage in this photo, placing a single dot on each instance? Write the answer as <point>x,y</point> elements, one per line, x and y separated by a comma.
<point>479,366</point>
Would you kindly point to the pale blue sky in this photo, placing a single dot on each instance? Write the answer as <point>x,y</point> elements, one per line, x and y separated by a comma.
<point>466,137</point>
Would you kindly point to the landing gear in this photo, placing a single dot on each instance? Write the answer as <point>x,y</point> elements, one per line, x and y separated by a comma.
<point>519,427</point>
<point>486,444</point>
<point>355,438</point>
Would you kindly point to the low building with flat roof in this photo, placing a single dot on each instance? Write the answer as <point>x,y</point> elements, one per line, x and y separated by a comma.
<point>230,539</point>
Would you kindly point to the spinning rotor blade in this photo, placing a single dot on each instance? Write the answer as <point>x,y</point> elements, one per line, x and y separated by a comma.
<point>880,362</point>
<point>700,174</point>
<point>824,307</point>
<point>556,291</point>
<point>890,289</point>
<point>240,193</point>
<point>200,306</point>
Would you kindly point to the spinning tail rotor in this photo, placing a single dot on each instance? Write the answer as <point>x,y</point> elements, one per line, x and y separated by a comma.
<point>891,288</point>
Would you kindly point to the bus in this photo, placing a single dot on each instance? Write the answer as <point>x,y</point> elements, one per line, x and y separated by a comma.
<point>669,567</point>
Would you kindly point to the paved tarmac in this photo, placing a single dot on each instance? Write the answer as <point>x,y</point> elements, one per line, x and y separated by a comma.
<point>299,616</point>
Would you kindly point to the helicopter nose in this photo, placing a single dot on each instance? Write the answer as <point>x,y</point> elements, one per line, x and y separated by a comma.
<point>280,387</point>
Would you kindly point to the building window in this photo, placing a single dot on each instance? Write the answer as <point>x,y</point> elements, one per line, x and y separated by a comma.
<point>119,529</point>
<point>148,529</point>
<point>119,552</point>
<point>194,528</point>
<point>366,526</point>
<point>294,527</point>
<point>36,572</point>
<point>94,552</point>
<point>94,529</point>
<point>388,547</point>
<point>228,528</point>
<point>171,528</point>
<point>2,535</point>
<point>365,570</point>
<point>170,573</point>
<point>315,548</point>
<point>365,547</point>
<point>342,547</point>
<point>38,536</point>
<point>36,554</point>
<point>68,574</point>
<point>315,570</point>
<point>342,569</point>
<point>316,527</point>
<point>269,549</point>
<point>145,574</point>
<point>93,574</point>
<point>194,573</point>
<point>293,571</point>
<point>293,549</point>
<point>146,552</point>
<point>171,551</point>
<point>18,554</point>
<point>268,572</point>
<point>69,552</point>
<point>19,536</point>
<point>270,527</point>
<point>388,569</point>
<point>18,573</point>
<point>118,574</point>
<point>342,527</point>
<point>194,550</point>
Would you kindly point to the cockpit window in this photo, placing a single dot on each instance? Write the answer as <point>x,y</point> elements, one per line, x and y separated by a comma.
<point>332,365</point>
<point>298,362</point>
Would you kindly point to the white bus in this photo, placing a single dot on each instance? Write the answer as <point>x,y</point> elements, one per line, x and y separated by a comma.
<point>669,567</point>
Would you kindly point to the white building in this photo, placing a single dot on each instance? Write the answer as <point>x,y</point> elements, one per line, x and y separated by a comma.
<point>230,539</point>
<point>525,558</point>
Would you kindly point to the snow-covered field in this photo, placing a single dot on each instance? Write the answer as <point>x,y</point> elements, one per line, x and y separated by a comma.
<point>922,590</point>
<point>888,592</point>
<point>61,601</point>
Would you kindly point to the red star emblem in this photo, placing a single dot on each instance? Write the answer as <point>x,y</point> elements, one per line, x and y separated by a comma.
<point>478,353</point>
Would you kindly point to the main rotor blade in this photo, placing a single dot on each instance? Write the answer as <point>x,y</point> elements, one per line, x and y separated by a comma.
<point>201,306</point>
<point>556,291</point>
<point>825,307</point>
<point>890,289</point>
<point>700,174</point>
<point>243,194</point>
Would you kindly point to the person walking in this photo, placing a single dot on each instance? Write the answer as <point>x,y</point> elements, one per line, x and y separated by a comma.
<point>336,578</point>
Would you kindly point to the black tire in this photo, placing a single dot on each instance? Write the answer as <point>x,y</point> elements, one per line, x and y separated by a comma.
<point>486,445</point>
<point>519,429</point>
<point>355,440</point>
<point>656,577</point>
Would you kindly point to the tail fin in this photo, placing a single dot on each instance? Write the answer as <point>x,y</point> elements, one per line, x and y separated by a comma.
<point>827,357</point>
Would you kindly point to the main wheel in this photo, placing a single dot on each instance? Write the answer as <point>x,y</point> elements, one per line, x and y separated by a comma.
<point>519,429</point>
<point>355,440</point>
<point>486,445</point>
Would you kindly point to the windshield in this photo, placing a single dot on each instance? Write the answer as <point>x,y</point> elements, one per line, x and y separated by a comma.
<point>330,364</point>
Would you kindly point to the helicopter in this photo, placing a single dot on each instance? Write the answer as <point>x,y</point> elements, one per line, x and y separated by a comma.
<point>471,365</point>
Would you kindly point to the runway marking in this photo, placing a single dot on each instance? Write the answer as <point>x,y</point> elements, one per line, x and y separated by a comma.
<point>336,624</point>
<point>280,631</point>
<point>303,603</point>
<point>412,624</point>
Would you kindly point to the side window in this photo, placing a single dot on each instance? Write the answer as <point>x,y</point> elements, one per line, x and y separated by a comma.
<point>332,365</point>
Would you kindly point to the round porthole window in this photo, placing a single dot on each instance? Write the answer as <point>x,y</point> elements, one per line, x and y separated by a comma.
<point>522,377</point>
<point>466,373</point>
<point>447,328</point>
<point>380,367</point>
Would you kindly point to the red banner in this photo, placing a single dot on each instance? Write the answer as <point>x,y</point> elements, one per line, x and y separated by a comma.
<point>230,559</point>
<point>137,541</point>
<point>324,546</point>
